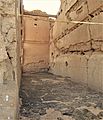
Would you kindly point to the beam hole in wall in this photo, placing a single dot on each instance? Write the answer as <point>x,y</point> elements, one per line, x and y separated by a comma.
<point>52,53</point>
<point>91,15</point>
<point>21,32</point>
<point>61,10</point>
<point>36,19</point>
<point>6,33</point>
<point>35,25</point>
<point>66,63</point>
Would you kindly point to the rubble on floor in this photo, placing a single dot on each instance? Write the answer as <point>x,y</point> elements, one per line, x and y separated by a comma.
<point>44,96</point>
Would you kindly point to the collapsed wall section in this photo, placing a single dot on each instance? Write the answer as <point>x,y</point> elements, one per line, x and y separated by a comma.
<point>9,58</point>
<point>76,48</point>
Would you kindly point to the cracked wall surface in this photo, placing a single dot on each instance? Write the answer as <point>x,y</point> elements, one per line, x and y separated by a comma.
<point>9,58</point>
<point>36,42</point>
<point>76,49</point>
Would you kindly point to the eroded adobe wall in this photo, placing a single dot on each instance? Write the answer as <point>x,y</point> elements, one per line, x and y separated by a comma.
<point>36,43</point>
<point>76,50</point>
<point>9,58</point>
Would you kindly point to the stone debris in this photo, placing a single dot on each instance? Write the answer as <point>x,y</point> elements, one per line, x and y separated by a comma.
<point>68,111</point>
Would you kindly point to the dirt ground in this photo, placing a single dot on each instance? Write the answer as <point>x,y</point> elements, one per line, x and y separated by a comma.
<point>44,96</point>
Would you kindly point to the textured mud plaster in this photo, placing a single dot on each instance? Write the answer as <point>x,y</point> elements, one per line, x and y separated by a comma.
<point>36,42</point>
<point>77,48</point>
<point>9,58</point>
<point>95,71</point>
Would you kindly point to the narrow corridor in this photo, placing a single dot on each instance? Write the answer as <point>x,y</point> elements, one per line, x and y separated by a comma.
<point>45,96</point>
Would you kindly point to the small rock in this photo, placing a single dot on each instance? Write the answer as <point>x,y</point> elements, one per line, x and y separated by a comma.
<point>100,115</point>
<point>78,115</point>
<point>36,116</point>
<point>42,112</point>
<point>84,114</point>
<point>99,104</point>
<point>59,118</point>
<point>89,104</point>
<point>68,111</point>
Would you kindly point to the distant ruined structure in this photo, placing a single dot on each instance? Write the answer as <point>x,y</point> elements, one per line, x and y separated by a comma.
<point>36,42</point>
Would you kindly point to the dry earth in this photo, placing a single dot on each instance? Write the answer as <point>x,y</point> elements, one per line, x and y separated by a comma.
<point>44,96</point>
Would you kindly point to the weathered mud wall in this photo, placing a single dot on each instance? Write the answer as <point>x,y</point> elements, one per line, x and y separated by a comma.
<point>76,49</point>
<point>9,58</point>
<point>36,43</point>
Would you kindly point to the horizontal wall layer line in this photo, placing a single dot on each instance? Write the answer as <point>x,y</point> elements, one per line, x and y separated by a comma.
<point>35,42</point>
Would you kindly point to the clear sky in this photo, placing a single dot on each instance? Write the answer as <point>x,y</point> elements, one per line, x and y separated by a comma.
<point>48,6</point>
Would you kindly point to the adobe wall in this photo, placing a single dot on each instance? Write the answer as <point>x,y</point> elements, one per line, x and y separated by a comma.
<point>36,43</point>
<point>76,49</point>
<point>9,58</point>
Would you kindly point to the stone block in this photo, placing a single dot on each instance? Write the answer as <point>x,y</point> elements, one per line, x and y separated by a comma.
<point>81,34</point>
<point>79,13</point>
<point>96,29</point>
<point>73,66</point>
<point>81,47</point>
<point>78,36</point>
<point>64,44</point>
<point>78,68</point>
<point>97,45</point>
<point>95,71</point>
<point>94,5</point>
<point>59,26</point>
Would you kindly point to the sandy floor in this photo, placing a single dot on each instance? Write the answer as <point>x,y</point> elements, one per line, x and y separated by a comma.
<point>44,96</point>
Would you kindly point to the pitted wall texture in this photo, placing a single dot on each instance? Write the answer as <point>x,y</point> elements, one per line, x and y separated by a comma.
<point>76,49</point>
<point>9,58</point>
